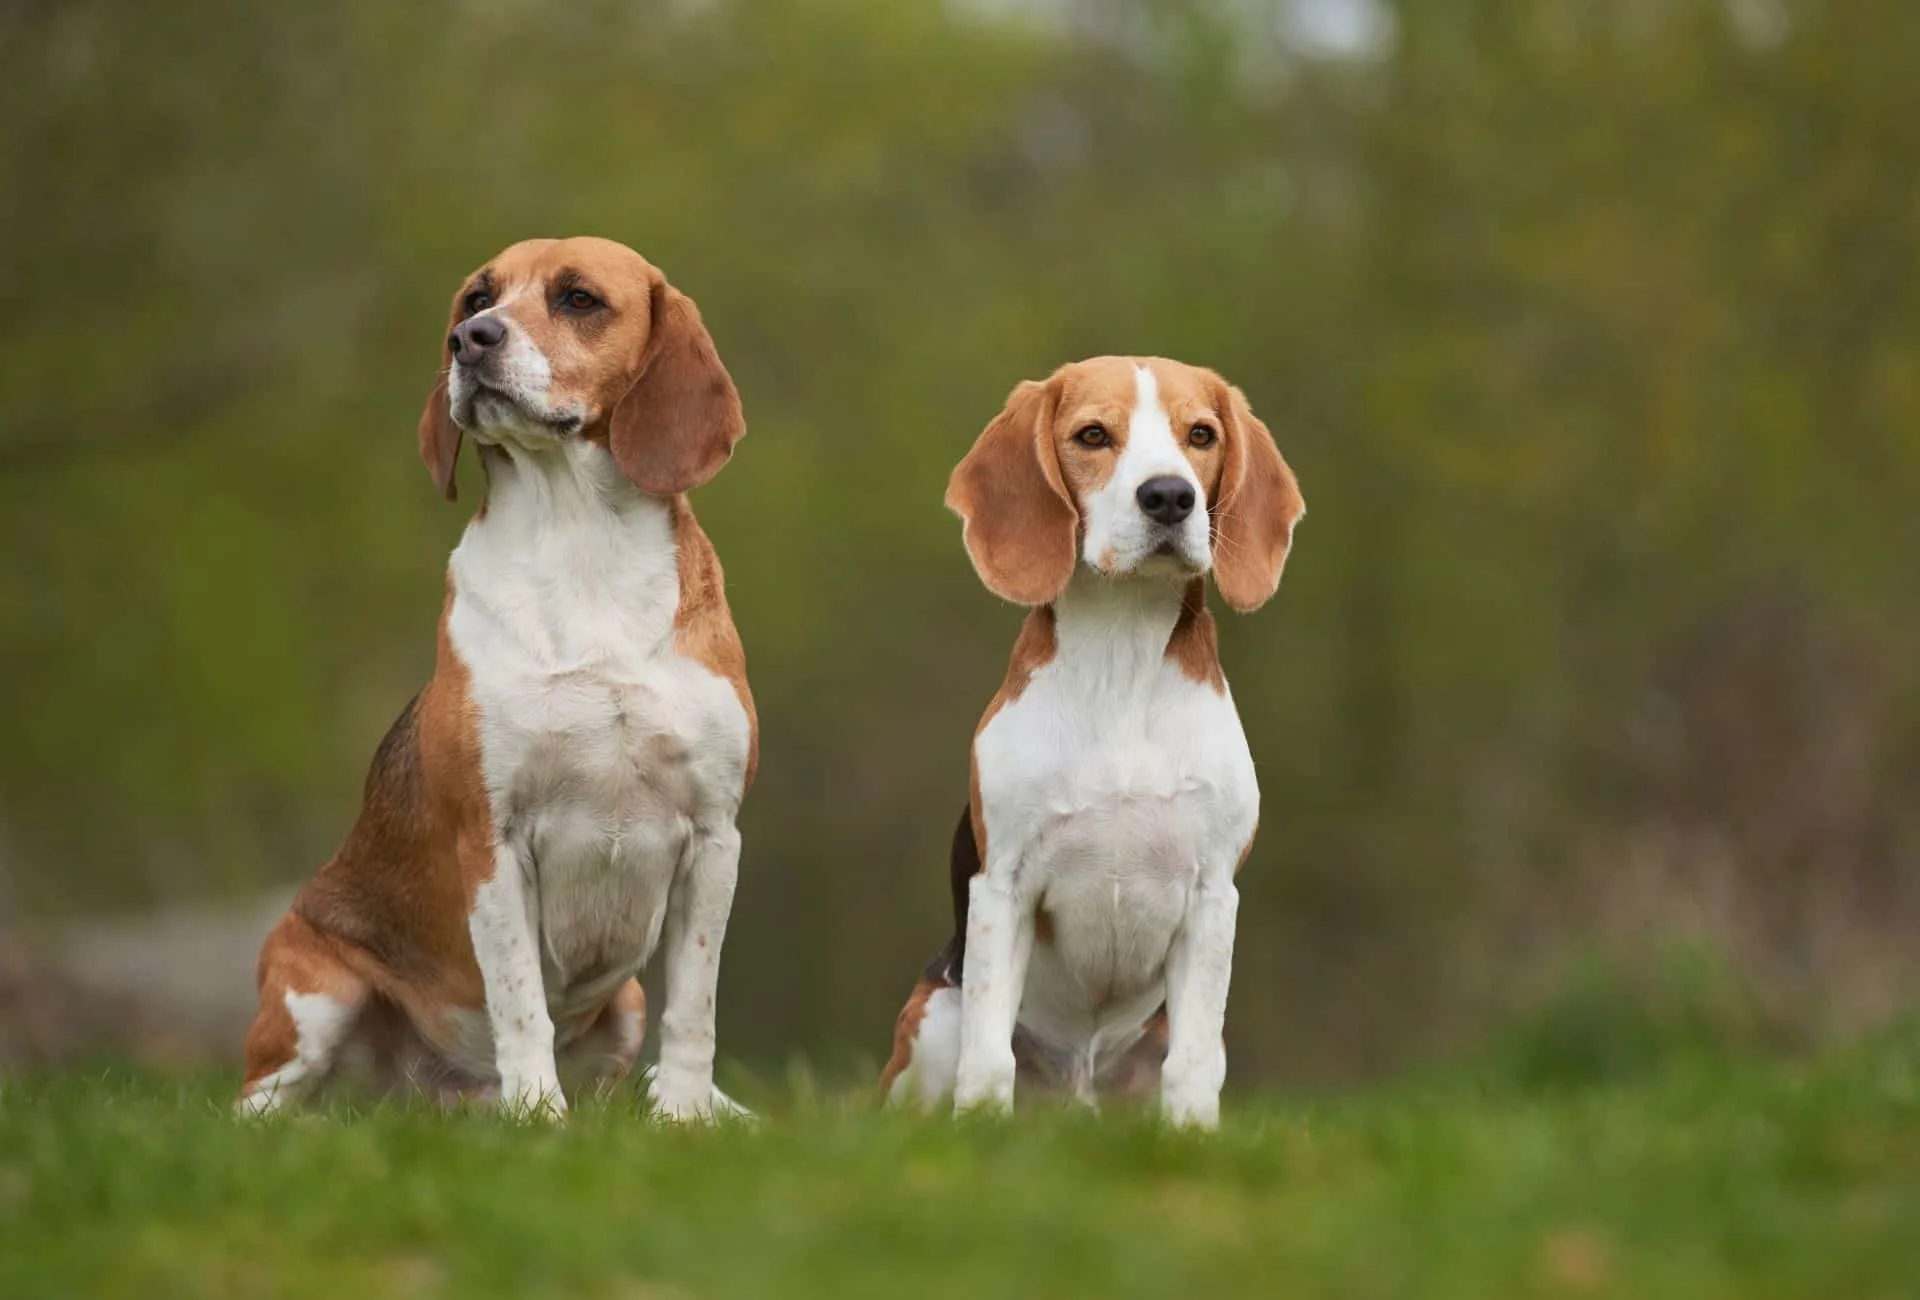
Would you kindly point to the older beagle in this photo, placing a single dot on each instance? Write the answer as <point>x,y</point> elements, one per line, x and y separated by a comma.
<point>1113,796</point>
<point>560,799</point>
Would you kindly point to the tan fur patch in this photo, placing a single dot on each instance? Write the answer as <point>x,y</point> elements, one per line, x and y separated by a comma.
<point>1018,520</point>
<point>1091,394</point>
<point>1195,643</point>
<point>703,628</point>
<point>1255,509</point>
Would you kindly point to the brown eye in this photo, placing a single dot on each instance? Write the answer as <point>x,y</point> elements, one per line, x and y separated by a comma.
<point>477,301</point>
<point>578,300</point>
<point>1202,435</point>
<point>1093,435</point>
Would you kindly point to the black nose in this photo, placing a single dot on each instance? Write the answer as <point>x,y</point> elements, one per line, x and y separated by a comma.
<point>1167,499</point>
<point>473,339</point>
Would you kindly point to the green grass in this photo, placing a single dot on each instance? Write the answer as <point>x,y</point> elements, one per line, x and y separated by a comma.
<point>1698,1180</point>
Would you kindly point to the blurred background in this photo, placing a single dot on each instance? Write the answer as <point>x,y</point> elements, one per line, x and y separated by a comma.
<point>1588,714</point>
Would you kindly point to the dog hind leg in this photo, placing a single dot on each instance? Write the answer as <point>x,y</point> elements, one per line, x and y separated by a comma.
<point>310,1002</point>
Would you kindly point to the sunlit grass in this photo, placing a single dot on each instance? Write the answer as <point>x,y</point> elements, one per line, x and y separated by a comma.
<point>1711,1178</point>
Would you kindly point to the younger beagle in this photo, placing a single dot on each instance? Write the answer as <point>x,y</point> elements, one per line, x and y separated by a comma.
<point>561,797</point>
<point>1113,796</point>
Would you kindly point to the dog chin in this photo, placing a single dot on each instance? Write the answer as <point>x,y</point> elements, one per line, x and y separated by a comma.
<point>494,416</point>
<point>1167,563</point>
<point>1167,560</point>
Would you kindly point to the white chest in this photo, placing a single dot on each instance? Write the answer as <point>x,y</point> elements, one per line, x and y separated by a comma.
<point>1108,788</point>
<point>601,748</point>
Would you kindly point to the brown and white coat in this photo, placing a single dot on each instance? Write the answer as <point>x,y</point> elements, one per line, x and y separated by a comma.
<point>1113,795</point>
<point>561,797</point>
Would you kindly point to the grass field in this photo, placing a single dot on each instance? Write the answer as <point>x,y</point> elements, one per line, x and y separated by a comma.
<point>1699,1179</point>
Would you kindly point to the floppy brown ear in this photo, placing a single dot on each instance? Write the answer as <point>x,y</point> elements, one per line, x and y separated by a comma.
<point>1019,524</point>
<point>440,436</point>
<point>677,425</point>
<point>1259,504</point>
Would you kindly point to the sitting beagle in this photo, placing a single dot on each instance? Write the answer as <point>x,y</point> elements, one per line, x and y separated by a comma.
<point>560,800</point>
<point>1113,797</point>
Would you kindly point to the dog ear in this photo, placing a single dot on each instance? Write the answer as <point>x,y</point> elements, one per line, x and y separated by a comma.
<point>677,425</point>
<point>440,436</point>
<point>1259,504</point>
<point>1018,521</point>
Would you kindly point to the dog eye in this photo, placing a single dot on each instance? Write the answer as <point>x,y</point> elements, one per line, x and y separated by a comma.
<point>477,301</point>
<point>1093,435</point>
<point>1202,435</point>
<point>578,300</point>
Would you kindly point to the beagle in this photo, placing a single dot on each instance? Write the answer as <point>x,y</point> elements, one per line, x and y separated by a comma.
<point>560,799</point>
<point>1112,795</point>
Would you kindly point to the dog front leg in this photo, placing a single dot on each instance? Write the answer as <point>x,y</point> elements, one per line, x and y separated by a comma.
<point>507,950</point>
<point>1199,970</point>
<point>999,943</point>
<point>681,1088</point>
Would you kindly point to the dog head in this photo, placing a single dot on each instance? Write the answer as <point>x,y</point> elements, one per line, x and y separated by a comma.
<point>1130,467</point>
<point>582,338</point>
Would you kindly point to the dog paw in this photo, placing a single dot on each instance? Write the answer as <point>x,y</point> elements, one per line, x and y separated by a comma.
<point>532,1099</point>
<point>985,1085</point>
<point>690,1101</point>
<point>1199,1112</point>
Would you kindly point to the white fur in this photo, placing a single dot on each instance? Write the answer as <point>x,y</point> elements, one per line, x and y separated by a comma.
<point>928,1078</point>
<point>320,1025</point>
<point>1120,539</point>
<point>614,766</point>
<point>1118,796</point>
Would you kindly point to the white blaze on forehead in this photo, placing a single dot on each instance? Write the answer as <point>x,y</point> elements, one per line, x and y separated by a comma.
<point>1150,433</point>
<point>1119,536</point>
<point>1151,449</point>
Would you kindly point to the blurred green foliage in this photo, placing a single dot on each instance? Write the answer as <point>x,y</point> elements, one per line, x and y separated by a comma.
<point>1603,1022</point>
<point>1592,330</point>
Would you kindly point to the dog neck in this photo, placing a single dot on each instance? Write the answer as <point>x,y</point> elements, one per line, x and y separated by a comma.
<point>569,555</point>
<point>1111,635</point>
<point>566,476</point>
